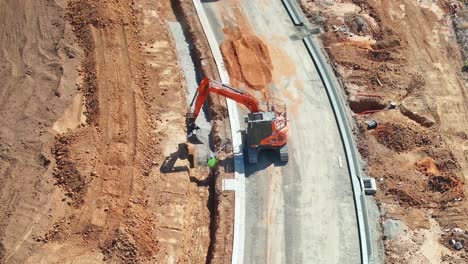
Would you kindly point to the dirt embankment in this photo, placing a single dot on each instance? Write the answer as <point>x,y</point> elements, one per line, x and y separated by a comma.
<point>405,52</point>
<point>132,212</point>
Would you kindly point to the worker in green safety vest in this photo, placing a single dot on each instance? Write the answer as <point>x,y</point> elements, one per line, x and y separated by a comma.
<point>212,161</point>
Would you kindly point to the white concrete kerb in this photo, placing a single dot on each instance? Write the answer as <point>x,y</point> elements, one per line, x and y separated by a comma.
<point>239,210</point>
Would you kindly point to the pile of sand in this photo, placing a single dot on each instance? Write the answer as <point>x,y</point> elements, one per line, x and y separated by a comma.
<point>247,59</point>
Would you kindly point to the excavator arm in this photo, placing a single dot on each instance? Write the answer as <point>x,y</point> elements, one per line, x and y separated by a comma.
<point>210,86</point>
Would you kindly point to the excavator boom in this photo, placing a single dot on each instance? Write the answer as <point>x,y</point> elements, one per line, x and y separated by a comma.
<point>210,86</point>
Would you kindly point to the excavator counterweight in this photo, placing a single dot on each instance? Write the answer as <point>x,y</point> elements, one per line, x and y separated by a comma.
<point>265,129</point>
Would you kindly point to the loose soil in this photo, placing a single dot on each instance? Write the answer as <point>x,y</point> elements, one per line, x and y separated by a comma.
<point>246,56</point>
<point>247,59</point>
<point>91,107</point>
<point>406,52</point>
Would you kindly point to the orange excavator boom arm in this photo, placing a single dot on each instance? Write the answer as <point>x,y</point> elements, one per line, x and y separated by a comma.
<point>210,86</point>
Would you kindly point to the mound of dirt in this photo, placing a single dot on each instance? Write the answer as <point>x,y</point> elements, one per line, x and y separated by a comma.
<point>66,174</point>
<point>428,166</point>
<point>401,137</point>
<point>247,59</point>
<point>55,234</point>
<point>446,161</point>
<point>358,24</point>
<point>442,184</point>
<point>361,104</point>
<point>417,110</point>
<point>121,247</point>
<point>407,197</point>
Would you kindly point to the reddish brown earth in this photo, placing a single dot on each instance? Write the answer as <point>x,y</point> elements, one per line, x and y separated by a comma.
<point>92,105</point>
<point>406,52</point>
<point>246,56</point>
<point>247,59</point>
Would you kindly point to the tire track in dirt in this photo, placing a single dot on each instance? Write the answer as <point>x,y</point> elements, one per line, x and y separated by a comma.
<point>132,126</point>
<point>115,168</point>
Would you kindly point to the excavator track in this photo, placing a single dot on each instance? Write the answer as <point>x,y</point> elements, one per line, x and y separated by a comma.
<point>284,154</point>
<point>252,155</point>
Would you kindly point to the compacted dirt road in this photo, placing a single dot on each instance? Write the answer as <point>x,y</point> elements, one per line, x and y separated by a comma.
<point>92,102</point>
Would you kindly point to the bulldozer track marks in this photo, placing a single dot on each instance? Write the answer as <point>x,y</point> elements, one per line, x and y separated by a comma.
<point>130,91</point>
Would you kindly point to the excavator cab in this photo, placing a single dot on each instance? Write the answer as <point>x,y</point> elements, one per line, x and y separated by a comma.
<point>265,128</point>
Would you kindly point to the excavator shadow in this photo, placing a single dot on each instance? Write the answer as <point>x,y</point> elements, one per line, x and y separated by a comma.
<point>182,153</point>
<point>266,158</point>
<point>193,138</point>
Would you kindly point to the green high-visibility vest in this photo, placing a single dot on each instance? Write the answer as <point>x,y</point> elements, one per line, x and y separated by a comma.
<point>212,162</point>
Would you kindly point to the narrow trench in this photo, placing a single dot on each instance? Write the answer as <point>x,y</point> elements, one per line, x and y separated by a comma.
<point>212,203</point>
<point>210,180</point>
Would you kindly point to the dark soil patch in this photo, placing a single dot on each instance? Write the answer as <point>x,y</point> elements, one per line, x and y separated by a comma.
<point>402,137</point>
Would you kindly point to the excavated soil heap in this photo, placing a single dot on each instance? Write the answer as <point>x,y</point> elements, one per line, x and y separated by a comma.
<point>247,59</point>
<point>402,137</point>
<point>427,165</point>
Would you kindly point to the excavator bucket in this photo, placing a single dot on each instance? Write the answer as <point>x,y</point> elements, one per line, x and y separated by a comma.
<point>191,129</point>
<point>190,123</point>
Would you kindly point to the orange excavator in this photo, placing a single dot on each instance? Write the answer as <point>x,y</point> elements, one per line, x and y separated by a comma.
<point>265,129</point>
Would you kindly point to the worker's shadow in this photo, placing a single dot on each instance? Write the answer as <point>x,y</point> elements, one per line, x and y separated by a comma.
<point>182,153</point>
<point>227,164</point>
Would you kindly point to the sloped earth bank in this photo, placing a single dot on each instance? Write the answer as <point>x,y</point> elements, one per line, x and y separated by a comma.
<point>96,192</point>
<point>405,51</point>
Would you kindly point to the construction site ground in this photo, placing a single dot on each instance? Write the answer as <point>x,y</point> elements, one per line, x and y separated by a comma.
<point>92,105</point>
<point>301,211</point>
<point>406,52</point>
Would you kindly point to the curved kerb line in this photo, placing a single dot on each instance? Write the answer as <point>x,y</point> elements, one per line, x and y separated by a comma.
<point>345,132</point>
<point>239,208</point>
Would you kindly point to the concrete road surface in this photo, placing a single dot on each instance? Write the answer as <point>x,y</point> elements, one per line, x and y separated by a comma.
<point>301,212</point>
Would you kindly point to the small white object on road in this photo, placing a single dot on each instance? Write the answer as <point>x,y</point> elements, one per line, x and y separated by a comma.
<point>340,161</point>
